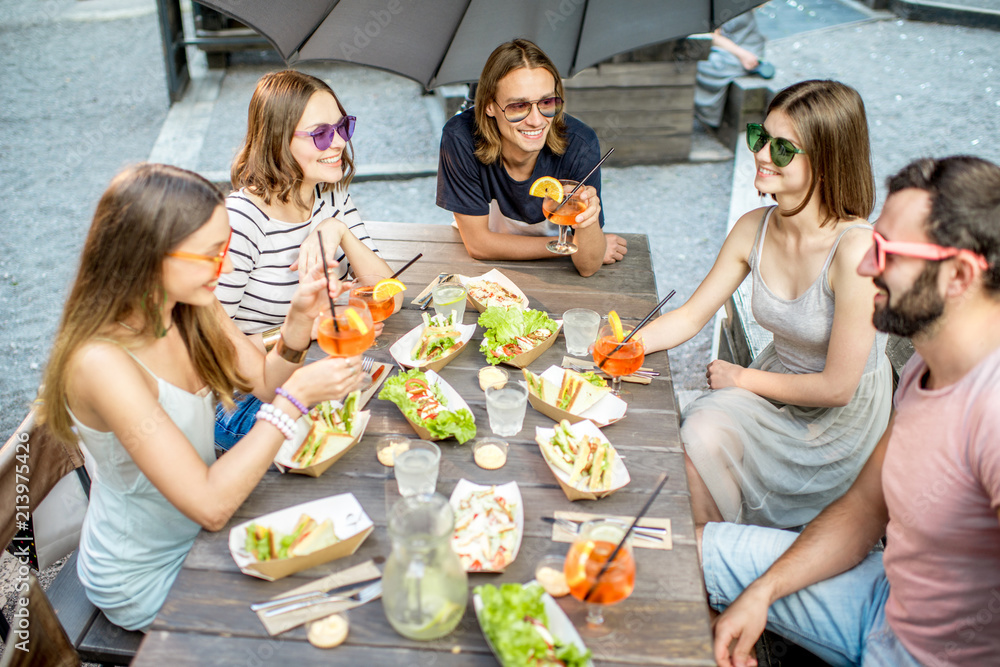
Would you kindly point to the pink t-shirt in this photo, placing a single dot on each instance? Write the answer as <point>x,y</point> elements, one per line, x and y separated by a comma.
<point>941,479</point>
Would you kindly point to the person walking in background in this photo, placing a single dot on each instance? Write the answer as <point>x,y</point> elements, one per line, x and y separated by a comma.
<point>774,443</point>
<point>737,48</point>
<point>931,486</point>
<point>291,178</point>
<point>142,354</point>
<point>516,133</point>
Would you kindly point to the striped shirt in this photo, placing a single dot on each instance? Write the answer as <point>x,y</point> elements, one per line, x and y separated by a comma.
<point>258,292</point>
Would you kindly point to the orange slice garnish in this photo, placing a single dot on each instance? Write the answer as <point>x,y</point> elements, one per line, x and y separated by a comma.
<point>616,326</point>
<point>546,186</point>
<point>356,321</point>
<point>386,289</point>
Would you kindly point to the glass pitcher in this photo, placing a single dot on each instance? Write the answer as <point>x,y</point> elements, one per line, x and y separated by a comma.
<point>424,587</point>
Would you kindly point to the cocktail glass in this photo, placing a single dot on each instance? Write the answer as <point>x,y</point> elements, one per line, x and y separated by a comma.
<point>380,310</point>
<point>346,338</point>
<point>565,217</point>
<point>625,361</point>
<point>592,547</point>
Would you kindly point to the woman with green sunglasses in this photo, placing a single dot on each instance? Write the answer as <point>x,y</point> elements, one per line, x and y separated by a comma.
<point>774,443</point>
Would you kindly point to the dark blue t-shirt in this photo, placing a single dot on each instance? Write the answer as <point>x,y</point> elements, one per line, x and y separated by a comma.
<point>467,186</point>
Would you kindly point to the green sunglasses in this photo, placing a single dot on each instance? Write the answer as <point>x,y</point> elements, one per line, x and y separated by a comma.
<point>782,150</point>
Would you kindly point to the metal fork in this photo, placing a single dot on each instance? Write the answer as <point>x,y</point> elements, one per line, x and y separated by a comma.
<point>367,363</point>
<point>369,592</point>
<point>581,369</point>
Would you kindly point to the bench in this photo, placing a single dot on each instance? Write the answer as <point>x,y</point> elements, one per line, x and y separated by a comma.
<point>746,102</point>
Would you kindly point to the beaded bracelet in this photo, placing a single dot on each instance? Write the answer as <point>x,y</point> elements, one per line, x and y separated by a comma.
<point>281,391</point>
<point>278,419</point>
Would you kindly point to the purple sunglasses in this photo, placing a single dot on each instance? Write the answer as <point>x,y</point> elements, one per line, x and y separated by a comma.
<point>322,136</point>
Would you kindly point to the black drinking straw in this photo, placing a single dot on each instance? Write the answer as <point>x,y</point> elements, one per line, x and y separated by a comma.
<point>407,265</point>
<point>637,327</point>
<point>326,272</point>
<point>604,568</point>
<point>580,184</point>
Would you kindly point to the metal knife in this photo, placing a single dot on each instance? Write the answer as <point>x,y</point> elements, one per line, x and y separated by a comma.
<point>288,599</point>
<point>651,532</point>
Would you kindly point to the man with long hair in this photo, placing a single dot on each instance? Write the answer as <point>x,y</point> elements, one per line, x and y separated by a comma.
<point>516,133</point>
<point>932,484</point>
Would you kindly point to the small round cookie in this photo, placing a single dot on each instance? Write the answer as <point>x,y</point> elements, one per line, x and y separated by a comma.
<point>328,632</point>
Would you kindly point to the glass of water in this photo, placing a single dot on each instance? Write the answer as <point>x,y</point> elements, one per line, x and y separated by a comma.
<point>417,468</point>
<point>505,405</point>
<point>448,297</point>
<point>580,327</point>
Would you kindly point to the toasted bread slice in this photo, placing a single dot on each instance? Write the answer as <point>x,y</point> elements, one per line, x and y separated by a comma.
<point>584,394</point>
<point>318,537</point>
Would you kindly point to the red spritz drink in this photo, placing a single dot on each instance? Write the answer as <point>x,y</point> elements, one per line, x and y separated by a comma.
<point>620,363</point>
<point>593,546</point>
<point>380,305</point>
<point>353,334</point>
<point>564,215</point>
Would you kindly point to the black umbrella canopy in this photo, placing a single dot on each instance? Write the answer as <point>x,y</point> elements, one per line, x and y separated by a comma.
<point>442,42</point>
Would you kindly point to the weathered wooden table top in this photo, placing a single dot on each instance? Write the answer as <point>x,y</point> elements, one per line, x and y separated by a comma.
<point>207,620</point>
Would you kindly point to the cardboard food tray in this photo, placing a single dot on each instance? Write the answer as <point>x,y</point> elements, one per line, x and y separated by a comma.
<point>605,412</point>
<point>509,492</point>
<point>283,459</point>
<point>525,359</point>
<point>455,402</point>
<point>496,277</point>
<point>350,522</point>
<point>619,473</point>
<point>559,624</point>
<point>402,349</point>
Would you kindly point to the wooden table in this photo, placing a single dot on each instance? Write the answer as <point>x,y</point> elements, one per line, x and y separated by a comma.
<point>207,620</point>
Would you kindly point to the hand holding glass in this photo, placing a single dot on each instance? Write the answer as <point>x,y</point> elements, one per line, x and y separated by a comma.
<point>346,338</point>
<point>565,217</point>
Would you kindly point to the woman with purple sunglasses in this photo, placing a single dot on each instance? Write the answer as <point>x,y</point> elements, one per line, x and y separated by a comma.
<point>291,177</point>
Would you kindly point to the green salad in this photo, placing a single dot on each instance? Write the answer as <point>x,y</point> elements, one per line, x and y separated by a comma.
<point>513,618</point>
<point>511,331</point>
<point>424,404</point>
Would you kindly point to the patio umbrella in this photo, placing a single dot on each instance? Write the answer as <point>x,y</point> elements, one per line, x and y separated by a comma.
<point>441,42</point>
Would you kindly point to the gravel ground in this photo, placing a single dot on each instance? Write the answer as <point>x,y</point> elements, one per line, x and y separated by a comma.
<point>83,98</point>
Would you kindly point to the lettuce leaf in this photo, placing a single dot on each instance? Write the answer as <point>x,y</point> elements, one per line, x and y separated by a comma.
<point>504,324</point>
<point>518,641</point>
<point>459,424</point>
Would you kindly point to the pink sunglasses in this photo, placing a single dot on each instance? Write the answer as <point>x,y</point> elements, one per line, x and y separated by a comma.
<point>920,251</point>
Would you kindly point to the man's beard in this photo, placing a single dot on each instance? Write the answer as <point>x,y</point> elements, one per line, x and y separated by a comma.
<point>917,309</point>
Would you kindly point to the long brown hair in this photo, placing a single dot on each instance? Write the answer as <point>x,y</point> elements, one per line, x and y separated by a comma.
<point>147,211</point>
<point>264,164</point>
<point>831,123</point>
<point>509,56</point>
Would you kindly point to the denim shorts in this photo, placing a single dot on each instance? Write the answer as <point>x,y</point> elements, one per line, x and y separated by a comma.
<point>841,619</point>
<point>231,426</point>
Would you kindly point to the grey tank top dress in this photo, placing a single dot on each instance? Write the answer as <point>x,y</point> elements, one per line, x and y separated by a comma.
<point>134,540</point>
<point>787,461</point>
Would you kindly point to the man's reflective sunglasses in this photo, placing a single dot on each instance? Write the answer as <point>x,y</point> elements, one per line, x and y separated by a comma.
<point>929,251</point>
<point>782,150</point>
<point>515,112</point>
<point>216,259</point>
<point>323,135</point>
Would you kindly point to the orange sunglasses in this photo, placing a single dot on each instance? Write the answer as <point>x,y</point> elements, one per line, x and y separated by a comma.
<point>215,259</point>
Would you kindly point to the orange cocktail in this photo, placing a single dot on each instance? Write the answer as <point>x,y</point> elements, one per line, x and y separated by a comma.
<point>593,546</point>
<point>625,361</point>
<point>353,334</point>
<point>565,216</point>
<point>380,310</point>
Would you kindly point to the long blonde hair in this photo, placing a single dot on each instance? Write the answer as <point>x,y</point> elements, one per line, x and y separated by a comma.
<point>147,211</point>
<point>509,56</point>
<point>264,164</point>
<point>829,117</point>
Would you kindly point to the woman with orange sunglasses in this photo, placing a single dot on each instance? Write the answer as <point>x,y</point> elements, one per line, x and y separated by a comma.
<point>143,353</point>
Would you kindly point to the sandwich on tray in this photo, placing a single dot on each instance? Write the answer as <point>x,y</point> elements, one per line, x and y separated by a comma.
<point>331,429</point>
<point>586,459</point>
<point>511,331</point>
<point>264,543</point>
<point>439,337</point>
<point>576,394</point>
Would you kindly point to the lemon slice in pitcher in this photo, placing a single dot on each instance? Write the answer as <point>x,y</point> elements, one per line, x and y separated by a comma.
<point>386,289</point>
<point>546,186</point>
<point>616,326</point>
